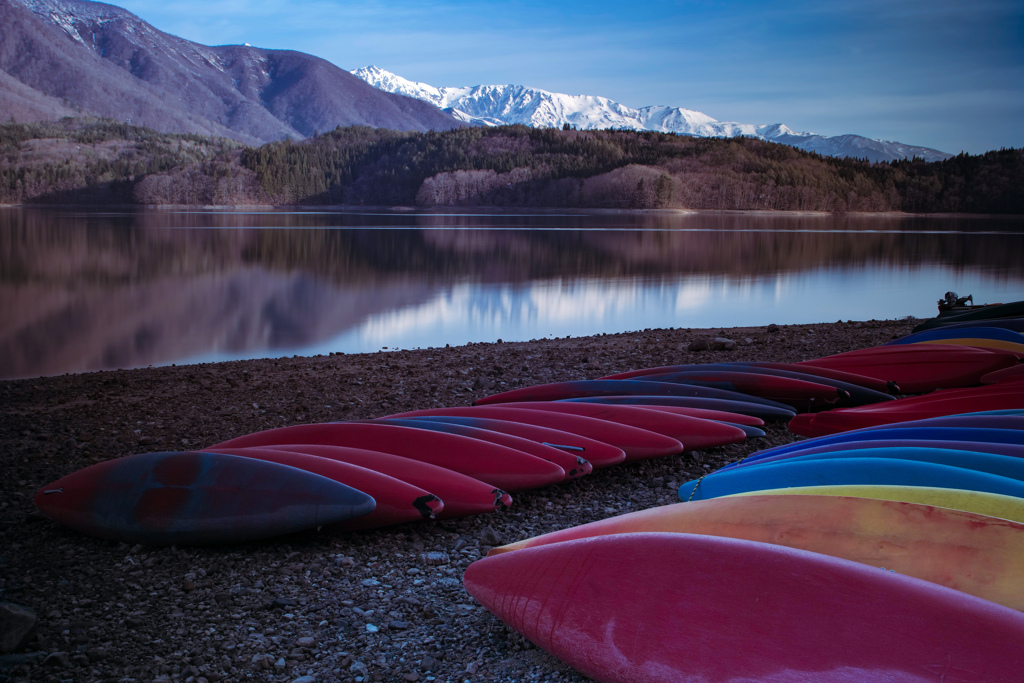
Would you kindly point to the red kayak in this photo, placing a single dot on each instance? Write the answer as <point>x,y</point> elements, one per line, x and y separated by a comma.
<point>872,383</point>
<point>824,373</point>
<point>573,465</point>
<point>749,430</point>
<point>497,465</point>
<point>936,404</point>
<point>1011,374</point>
<point>918,368</point>
<point>597,453</point>
<point>757,410</point>
<point>966,399</point>
<point>707,414</point>
<point>693,432</point>
<point>462,495</point>
<point>657,607</point>
<point>849,393</point>
<point>397,501</point>
<point>637,444</point>
<point>557,391</point>
<point>795,392</point>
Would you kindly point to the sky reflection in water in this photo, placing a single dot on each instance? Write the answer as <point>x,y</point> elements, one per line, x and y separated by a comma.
<point>480,312</point>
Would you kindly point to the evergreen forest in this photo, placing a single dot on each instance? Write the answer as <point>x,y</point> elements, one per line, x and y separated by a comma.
<point>90,162</point>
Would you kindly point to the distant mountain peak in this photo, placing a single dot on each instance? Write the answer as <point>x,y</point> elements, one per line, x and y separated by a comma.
<point>494,105</point>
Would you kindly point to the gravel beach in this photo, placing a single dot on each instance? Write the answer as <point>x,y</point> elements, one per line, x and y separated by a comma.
<point>383,605</point>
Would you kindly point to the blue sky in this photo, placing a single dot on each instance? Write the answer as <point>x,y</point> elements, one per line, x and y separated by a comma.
<point>946,74</point>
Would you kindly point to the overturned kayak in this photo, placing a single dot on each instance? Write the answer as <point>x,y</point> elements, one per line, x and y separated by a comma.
<point>735,610</point>
<point>189,498</point>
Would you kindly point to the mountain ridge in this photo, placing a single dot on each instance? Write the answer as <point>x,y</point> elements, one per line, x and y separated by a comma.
<point>102,60</point>
<point>516,104</point>
<point>81,58</point>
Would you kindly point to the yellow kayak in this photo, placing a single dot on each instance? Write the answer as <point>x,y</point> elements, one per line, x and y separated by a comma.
<point>973,553</point>
<point>979,502</point>
<point>976,341</point>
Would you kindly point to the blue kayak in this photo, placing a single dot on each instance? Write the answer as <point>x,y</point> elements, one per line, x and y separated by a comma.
<point>968,420</point>
<point>751,432</point>
<point>1010,436</point>
<point>725,405</point>
<point>1002,465</point>
<point>938,334</point>
<point>1012,324</point>
<point>1005,411</point>
<point>1012,310</point>
<point>838,471</point>
<point>1013,450</point>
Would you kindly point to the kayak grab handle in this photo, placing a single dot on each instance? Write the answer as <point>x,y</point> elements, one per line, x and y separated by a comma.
<point>564,448</point>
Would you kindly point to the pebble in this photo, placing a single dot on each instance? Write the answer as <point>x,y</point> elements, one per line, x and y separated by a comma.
<point>59,660</point>
<point>17,624</point>
<point>488,536</point>
<point>434,559</point>
<point>722,344</point>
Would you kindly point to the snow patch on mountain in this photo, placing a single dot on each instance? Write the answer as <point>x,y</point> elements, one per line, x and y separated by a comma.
<point>496,105</point>
<point>82,21</point>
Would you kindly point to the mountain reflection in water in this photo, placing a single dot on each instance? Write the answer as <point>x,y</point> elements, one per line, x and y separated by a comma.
<point>87,291</point>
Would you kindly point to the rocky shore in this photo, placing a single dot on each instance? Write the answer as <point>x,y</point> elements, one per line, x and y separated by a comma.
<point>384,605</point>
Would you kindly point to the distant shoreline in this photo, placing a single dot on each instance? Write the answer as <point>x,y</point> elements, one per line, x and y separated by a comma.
<point>496,210</point>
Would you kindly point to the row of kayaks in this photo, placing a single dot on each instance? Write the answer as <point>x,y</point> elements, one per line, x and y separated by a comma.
<point>968,379</point>
<point>438,463</point>
<point>432,464</point>
<point>347,476</point>
<point>890,546</point>
<point>890,554</point>
<point>980,454</point>
<point>466,458</point>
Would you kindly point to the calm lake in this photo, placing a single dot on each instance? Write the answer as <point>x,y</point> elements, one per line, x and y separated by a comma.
<point>82,291</point>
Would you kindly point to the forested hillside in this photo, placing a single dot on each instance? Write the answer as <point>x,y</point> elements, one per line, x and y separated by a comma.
<point>93,162</point>
<point>512,166</point>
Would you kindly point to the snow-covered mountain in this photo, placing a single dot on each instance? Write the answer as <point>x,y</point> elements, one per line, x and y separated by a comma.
<point>495,105</point>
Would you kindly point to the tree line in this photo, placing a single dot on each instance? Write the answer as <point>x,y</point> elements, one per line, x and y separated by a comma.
<point>98,161</point>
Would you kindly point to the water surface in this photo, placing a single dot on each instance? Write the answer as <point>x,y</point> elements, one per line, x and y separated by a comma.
<point>83,291</point>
